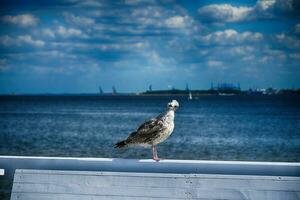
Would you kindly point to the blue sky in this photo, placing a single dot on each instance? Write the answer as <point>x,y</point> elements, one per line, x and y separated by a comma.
<point>72,46</point>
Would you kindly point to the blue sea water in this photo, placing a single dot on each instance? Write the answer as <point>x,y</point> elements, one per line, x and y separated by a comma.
<point>256,128</point>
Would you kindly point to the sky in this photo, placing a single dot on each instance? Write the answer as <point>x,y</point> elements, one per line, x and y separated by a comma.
<point>73,46</point>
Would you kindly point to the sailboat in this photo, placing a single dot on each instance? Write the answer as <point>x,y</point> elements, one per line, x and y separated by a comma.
<point>190,96</point>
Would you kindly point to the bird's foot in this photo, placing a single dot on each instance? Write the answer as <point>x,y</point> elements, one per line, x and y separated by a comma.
<point>157,159</point>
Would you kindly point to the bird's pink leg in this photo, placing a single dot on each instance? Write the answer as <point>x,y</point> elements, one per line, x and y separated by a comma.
<point>154,152</point>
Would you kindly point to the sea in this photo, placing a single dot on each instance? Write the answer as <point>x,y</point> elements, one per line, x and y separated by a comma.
<point>246,128</point>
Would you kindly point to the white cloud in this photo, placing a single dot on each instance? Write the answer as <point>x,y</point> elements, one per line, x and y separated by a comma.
<point>176,22</point>
<point>230,36</point>
<point>133,46</point>
<point>158,19</point>
<point>48,32</point>
<point>272,55</point>
<point>3,65</point>
<point>286,5</point>
<point>3,68</point>
<point>295,56</point>
<point>78,20</point>
<point>214,63</point>
<point>135,2</point>
<point>6,40</point>
<point>224,12</point>
<point>90,3</point>
<point>288,41</point>
<point>149,11</point>
<point>265,4</point>
<point>241,50</point>
<point>20,41</point>
<point>248,58</point>
<point>148,16</point>
<point>23,20</point>
<point>47,55</point>
<point>262,9</point>
<point>157,63</point>
<point>62,31</point>
<point>85,3</point>
<point>27,39</point>
<point>69,32</point>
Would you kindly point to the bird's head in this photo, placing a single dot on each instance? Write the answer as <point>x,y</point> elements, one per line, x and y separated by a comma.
<point>173,105</point>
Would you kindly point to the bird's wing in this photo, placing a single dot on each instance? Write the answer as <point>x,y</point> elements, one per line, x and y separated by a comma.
<point>147,131</point>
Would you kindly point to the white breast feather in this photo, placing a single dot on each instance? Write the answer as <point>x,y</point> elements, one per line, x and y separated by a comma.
<point>168,121</point>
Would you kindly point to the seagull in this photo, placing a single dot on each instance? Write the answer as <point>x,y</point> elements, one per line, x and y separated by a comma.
<point>154,131</point>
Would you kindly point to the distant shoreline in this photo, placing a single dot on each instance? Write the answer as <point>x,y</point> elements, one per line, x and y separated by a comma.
<point>195,96</point>
<point>175,92</point>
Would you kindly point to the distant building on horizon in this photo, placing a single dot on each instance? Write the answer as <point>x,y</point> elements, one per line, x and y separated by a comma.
<point>263,91</point>
<point>187,87</point>
<point>100,90</point>
<point>114,90</point>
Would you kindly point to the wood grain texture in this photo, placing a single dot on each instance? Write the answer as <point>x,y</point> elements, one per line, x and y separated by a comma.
<point>52,184</point>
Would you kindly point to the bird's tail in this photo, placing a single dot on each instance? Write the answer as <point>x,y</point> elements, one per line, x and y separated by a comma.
<point>120,144</point>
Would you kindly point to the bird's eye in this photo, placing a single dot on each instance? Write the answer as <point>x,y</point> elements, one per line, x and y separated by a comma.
<point>170,105</point>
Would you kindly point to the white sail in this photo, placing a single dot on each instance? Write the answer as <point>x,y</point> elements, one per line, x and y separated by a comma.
<point>190,96</point>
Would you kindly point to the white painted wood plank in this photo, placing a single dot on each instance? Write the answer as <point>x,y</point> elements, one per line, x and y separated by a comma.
<point>140,174</point>
<point>272,195</point>
<point>36,196</point>
<point>128,192</point>
<point>168,182</point>
<point>105,181</point>
<point>1,172</point>
<point>243,184</point>
<point>97,173</point>
<point>74,188</point>
<point>159,180</point>
<point>91,185</point>
<point>155,192</point>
